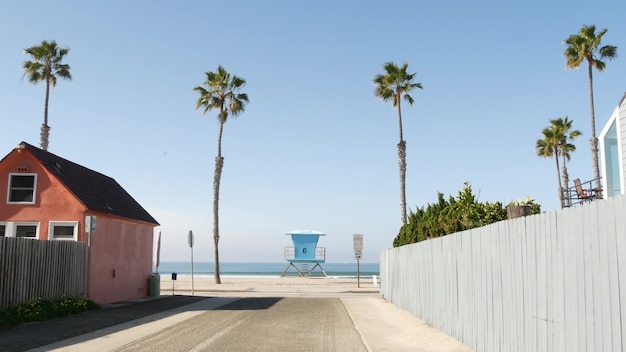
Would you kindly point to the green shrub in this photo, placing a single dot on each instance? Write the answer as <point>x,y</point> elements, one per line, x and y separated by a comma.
<point>455,214</point>
<point>40,309</point>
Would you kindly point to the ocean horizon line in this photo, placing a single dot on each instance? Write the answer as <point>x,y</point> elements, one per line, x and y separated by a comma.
<point>247,276</point>
<point>270,269</point>
<point>262,262</point>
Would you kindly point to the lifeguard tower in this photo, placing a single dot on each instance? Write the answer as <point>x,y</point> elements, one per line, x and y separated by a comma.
<point>305,252</point>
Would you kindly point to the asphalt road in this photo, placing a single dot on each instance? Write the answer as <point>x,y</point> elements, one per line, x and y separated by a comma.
<point>261,324</point>
<point>33,335</point>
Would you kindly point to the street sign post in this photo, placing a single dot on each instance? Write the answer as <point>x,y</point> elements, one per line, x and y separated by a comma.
<point>357,244</point>
<point>90,228</point>
<point>190,241</point>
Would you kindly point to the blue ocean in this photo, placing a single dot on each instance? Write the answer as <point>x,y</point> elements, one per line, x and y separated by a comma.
<point>265,269</point>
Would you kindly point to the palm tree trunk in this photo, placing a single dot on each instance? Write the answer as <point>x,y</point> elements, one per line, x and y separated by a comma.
<point>594,139</point>
<point>44,136</point>
<point>558,175</point>
<point>402,164</point>
<point>219,164</point>
<point>566,181</point>
<point>45,129</point>
<point>399,117</point>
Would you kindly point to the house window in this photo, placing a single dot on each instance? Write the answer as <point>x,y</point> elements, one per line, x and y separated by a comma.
<point>3,228</point>
<point>64,230</point>
<point>22,188</point>
<point>611,161</point>
<point>26,230</point>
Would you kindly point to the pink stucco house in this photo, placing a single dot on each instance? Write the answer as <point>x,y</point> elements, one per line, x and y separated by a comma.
<point>46,197</point>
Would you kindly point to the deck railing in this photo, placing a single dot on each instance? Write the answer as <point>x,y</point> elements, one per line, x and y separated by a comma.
<point>320,254</point>
<point>586,192</point>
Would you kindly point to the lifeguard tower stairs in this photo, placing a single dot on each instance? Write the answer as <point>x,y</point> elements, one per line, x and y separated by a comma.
<point>305,253</point>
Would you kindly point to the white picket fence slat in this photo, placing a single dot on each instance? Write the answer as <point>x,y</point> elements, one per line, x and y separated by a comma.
<point>549,282</point>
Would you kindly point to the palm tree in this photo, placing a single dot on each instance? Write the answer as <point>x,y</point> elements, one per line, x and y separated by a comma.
<point>564,133</point>
<point>221,92</point>
<point>548,147</point>
<point>393,85</point>
<point>585,45</point>
<point>46,66</point>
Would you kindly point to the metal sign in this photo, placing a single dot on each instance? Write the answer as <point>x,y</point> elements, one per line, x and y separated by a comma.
<point>357,242</point>
<point>190,239</point>
<point>90,224</point>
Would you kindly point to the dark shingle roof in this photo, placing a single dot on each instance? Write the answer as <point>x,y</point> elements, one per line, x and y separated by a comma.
<point>96,191</point>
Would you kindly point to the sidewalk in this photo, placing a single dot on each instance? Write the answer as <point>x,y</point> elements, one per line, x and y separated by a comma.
<point>385,327</point>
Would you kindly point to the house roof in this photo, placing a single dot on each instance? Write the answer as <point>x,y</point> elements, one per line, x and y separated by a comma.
<point>96,191</point>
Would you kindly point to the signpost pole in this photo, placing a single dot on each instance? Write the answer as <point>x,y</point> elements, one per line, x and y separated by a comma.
<point>190,240</point>
<point>90,228</point>
<point>357,244</point>
<point>358,274</point>
<point>89,263</point>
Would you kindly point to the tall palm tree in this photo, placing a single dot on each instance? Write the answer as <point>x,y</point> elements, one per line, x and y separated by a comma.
<point>585,45</point>
<point>222,93</point>
<point>46,66</point>
<point>565,134</point>
<point>396,83</point>
<point>548,147</point>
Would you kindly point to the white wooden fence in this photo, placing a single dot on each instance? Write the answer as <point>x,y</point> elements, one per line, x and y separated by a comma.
<point>31,269</point>
<point>549,282</point>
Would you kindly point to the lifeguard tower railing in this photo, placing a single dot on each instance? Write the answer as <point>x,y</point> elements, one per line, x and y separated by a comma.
<point>304,252</point>
<point>320,254</point>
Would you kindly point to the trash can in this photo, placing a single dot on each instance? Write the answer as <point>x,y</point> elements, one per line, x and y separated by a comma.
<point>155,285</point>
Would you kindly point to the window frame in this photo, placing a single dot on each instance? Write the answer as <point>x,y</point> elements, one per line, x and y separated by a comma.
<point>17,224</point>
<point>9,188</point>
<point>5,232</point>
<point>53,224</point>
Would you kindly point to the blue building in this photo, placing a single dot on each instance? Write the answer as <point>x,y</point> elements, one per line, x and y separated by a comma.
<point>305,252</point>
<point>612,145</point>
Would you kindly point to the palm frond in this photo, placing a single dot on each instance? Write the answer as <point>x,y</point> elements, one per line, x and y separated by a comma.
<point>220,92</point>
<point>584,45</point>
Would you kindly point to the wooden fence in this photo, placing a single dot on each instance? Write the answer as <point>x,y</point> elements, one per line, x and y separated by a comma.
<point>549,282</point>
<point>31,269</point>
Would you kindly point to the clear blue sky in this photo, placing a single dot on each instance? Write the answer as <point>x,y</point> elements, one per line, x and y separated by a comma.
<point>314,149</point>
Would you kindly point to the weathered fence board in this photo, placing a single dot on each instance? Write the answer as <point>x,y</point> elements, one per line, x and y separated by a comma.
<point>32,269</point>
<point>549,282</point>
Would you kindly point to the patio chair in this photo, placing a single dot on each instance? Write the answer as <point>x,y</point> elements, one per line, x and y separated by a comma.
<point>580,192</point>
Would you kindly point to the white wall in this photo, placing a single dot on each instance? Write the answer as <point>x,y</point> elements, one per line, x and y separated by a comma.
<point>613,165</point>
<point>621,121</point>
<point>549,282</point>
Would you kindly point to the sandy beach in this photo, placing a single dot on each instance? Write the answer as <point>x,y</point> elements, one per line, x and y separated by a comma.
<point>251,285</point>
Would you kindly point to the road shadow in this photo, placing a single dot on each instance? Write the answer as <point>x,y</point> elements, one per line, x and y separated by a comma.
<point>36,334</point>
<point>251,303</point>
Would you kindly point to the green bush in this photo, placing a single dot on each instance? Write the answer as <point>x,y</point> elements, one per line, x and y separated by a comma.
<point>455,214</point>
<point>40,309</point>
